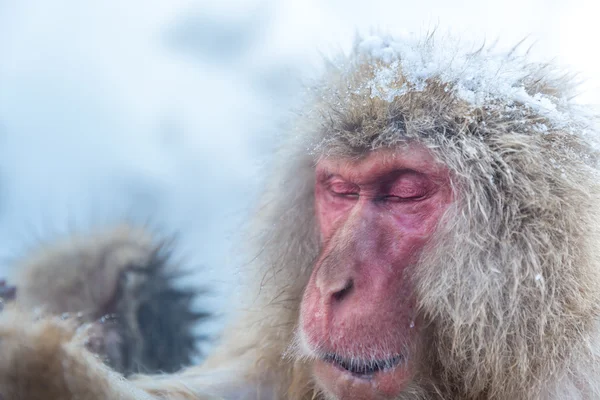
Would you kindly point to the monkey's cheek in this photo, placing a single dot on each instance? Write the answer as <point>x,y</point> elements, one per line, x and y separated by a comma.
<point>345,385</point>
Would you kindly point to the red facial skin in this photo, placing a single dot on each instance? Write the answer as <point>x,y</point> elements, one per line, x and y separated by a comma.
<point>374,216</point>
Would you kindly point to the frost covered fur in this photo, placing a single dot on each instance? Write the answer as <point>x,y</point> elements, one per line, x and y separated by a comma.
<point>510,285</point>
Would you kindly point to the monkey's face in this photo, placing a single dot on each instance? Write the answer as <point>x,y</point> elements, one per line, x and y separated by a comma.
<point>358,320</point>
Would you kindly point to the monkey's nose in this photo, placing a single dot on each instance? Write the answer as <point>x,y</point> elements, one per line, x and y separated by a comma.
<point>339,295</point>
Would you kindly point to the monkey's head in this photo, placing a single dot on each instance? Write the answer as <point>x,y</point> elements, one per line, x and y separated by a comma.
<point>122,283</point>
<point>437,215</point>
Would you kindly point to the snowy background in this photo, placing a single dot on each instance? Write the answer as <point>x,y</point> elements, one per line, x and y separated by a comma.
<point>168,110</point>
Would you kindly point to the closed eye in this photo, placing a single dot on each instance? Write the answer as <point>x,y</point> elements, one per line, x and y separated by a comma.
<point>393,198</point>
<point>344,190</point>
<point>348,195</point>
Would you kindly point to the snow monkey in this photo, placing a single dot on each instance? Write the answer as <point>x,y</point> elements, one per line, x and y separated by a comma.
<point>119,285</point>
<point>430,230</point>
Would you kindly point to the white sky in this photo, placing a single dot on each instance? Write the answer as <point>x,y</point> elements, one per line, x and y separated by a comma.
<point>166,109</point>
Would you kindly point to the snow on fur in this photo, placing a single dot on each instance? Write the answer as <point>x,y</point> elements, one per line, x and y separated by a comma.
<point>480,76</point>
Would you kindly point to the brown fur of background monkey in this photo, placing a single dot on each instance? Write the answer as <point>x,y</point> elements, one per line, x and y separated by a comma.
<point>507,291</point>
<point>120,284</point>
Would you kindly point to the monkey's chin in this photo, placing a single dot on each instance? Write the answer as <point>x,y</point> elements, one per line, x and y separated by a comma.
<point>345,381</point>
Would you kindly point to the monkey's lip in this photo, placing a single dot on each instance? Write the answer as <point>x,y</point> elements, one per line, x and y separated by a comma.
<point>353,378</point>
<point>363,369</point>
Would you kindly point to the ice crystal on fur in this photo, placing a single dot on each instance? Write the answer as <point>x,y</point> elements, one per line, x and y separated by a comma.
<point>480,76</point>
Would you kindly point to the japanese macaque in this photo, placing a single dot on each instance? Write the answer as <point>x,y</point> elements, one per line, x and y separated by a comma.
<point>430,230</point>
<point>118,287</point>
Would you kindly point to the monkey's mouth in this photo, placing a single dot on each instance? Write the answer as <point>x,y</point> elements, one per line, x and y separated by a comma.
<point>363,368</point>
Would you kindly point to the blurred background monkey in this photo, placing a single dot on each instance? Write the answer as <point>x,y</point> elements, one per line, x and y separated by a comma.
<point>121,286</point>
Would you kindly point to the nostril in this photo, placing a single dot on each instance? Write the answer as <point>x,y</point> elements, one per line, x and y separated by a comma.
<point>340,294</point>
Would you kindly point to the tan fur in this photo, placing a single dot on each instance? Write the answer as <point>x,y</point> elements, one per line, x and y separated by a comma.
<point>510,287</point>
<point>43,360</point>
<point>80,273</point>
<point>120,283</point>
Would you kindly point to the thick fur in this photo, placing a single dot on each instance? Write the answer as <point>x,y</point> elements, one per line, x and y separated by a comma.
<point>509,287</point>
<point>121,280</point>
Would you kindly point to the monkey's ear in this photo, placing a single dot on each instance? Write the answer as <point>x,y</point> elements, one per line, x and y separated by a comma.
<point>124,272</point>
